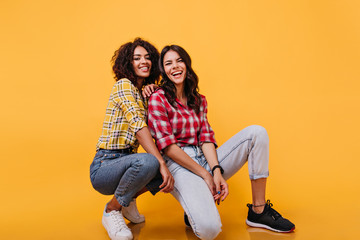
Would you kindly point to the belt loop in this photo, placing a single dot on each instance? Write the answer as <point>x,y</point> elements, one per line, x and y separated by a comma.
<point>197,150</point>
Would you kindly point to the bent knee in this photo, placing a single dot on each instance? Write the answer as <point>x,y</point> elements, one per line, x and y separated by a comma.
<point>208,231</point>
<point>148,161</point>
<point>260,133</point>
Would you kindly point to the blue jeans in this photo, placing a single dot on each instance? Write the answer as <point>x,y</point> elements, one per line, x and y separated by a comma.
<point>123,175</point>
<point>250,145</point>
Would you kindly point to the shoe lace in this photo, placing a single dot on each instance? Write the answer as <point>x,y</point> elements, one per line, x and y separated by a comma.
<point>272,212</point>
<point>118,220</point>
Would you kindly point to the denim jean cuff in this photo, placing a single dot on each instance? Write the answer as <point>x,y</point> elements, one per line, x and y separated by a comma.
<point>123,202</point>
<point>254,177</point>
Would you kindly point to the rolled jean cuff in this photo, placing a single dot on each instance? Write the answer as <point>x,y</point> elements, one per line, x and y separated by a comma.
<point>153,185</point>
<point>122,201</point>
<point>254,177</point>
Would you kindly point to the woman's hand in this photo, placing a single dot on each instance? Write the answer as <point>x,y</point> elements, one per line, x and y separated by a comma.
<point>168,180</point>
<point>222,188</point>
<point>210,182</point>
<point>148,90</point>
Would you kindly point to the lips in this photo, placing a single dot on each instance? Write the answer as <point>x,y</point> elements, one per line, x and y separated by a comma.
<point>144,68</point>
<point>177,73</point>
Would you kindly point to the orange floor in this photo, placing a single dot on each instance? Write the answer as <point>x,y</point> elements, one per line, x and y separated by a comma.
<point>73,211</point>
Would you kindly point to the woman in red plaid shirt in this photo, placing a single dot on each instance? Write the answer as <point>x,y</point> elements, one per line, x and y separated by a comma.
<point>177,118</point>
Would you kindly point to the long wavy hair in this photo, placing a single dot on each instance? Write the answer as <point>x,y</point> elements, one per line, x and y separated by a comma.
<point>123,57</point>
<point>191,88</point>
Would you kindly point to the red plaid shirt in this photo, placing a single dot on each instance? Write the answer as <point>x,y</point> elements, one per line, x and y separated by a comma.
<point>180,125</point>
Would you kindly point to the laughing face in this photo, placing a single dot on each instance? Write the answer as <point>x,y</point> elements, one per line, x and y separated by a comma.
<point>175,68</point>
<point>141,63</point>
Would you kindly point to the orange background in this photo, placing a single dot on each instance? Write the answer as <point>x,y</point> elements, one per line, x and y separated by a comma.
<point>290,66</point>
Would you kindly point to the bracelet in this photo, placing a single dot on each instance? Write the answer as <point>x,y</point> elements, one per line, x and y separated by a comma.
<point>215,167</point>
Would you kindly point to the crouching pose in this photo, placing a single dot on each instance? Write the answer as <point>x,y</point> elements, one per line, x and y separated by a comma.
<point>117,168</point>
<point>178,122</point>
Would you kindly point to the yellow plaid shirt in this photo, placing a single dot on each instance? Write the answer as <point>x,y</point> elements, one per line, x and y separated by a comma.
<point>125,115</point>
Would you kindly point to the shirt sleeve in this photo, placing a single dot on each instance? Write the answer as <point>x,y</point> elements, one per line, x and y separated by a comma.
<point>124,97</point>
<point>159,122</point>
<point>206,132</point>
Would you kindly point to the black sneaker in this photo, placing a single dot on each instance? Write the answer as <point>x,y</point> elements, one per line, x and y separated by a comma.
<point>269,219</point>
<point>186,220</point>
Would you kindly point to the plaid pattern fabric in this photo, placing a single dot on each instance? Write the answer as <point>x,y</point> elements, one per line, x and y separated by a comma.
<point>180,125</point>
<point>125,115</point>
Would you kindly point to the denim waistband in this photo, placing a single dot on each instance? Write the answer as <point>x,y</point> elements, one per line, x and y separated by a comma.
<point>194,148</point>
<point>125,150</point>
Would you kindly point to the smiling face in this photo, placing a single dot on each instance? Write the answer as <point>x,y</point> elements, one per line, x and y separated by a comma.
<point>141,63</point>
<point>175,68</point>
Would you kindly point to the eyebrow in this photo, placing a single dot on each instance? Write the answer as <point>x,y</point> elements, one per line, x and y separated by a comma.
<point>170,60</point>
<point>140,54</point>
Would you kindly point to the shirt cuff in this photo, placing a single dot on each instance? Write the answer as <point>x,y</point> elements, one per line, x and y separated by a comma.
<point>206,139</point>
<point>137,124</point>
<point>162,143</point>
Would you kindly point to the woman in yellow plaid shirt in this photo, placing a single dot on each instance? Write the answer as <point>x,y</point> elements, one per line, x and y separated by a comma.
<point>117,168</point>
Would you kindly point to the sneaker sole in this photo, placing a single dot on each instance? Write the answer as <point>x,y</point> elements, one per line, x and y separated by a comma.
<point>259,225</point>
<point>132,220</point>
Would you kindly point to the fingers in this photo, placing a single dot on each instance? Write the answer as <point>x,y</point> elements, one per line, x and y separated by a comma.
<point>223,193</point>
<point>226,193</point>
<point>218,190</point>
<point>218,196</point>
<point>167,184</point>
<point>218,187</point>
<point>168,180</point>
<point>145,92</point>
<point>148,90</point>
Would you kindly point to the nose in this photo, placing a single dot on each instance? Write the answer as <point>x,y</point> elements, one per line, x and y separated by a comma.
<point>142,60</point>
<point>174,65</point>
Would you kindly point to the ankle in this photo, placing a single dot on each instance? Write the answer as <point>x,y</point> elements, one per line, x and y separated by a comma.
<point>111,207</point>
<point>258,208</point>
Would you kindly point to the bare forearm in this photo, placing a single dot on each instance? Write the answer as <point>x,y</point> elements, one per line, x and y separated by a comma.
<point>181,158</point>
<point>146,141</point>
<point>210,154</point>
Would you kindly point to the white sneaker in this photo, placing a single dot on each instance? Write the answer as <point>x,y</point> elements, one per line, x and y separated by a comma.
<point>132,214</point>
<point>115,225</point>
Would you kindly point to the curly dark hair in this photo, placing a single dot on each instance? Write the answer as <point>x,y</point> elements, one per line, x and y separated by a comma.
<point>123,57</point>
<point>191,88</point>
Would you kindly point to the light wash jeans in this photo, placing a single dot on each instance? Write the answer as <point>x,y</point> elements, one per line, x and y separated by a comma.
<point>123,175</point>
<point>249,145</point>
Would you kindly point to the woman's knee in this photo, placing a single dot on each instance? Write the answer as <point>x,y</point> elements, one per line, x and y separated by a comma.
<point>208,230</point>
<point>260,133</point>
<point>148,162</point>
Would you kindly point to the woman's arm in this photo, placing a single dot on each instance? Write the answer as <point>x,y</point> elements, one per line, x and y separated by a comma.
<point>209,151</point>
<point>145,139</point>
<point>124,96</point>
<point>161,129</point>
<point>181,158</point>
<point>208,145</point>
